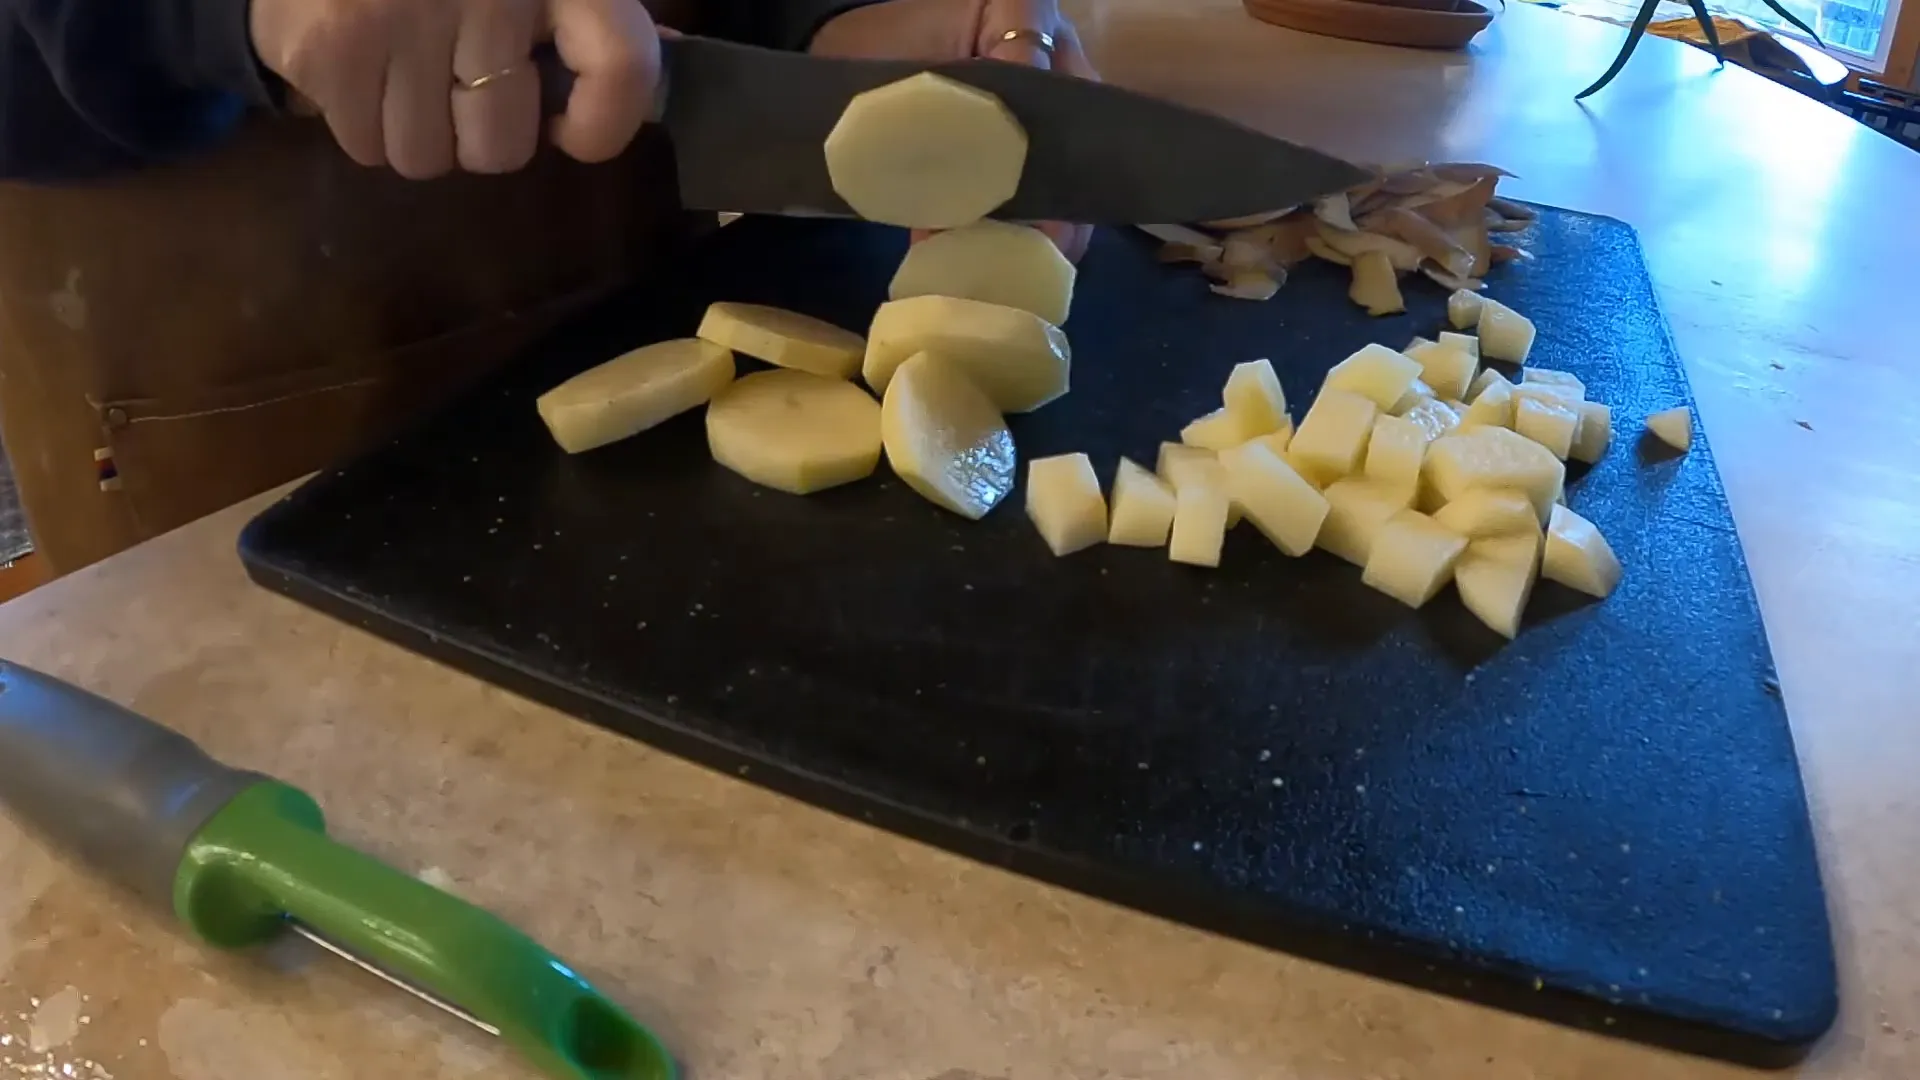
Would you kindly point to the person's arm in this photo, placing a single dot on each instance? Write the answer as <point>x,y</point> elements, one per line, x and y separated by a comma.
<point>776,24</point>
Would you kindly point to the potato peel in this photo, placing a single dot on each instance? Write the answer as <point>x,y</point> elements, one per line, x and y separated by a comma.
<point>1376,285</point>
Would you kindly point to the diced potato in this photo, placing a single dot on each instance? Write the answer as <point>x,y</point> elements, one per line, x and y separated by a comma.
<point>1218,430</point>
<point>1495,578</point>
<point>1673,427</point>
<point>1596,432</point>
<point>1463,309</point>
<point>1255,398</point>
<point>1199,525</point>
<point>1285,508</point>
<point>1019,359</point>
<point>926,152</point>
<point>1494,406</point>
<point>1181,465</point>
<point>1578,556</point>
<point>784,338</point>
<point>1413,558</point>
<point>1064,502</point>
<point>1376,285</point>
<point>1436,418</point>
<point>1505,334</point>
<point>1395,451</point>
<point>1356,511</point>
<point>1466,343</point>
<point>1566,383</point>
<point>1416,393</point>
<point>1278,441</point>
<point>944,437</point>
<point>995,262</point>
<point>1484,513</point>
<point>633,392</point>
<point>1447,368</point>
<point>1334,434</point>
<point>1491,457</point>
<point>795,431</point>
<point>1142,508</point>
<point>1376,373</point>
<point>1486,378</point>
<point>1547,421</point>
<point>1415,344</point>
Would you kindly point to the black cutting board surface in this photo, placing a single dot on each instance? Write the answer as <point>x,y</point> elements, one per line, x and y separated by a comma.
<point>1602,822</point>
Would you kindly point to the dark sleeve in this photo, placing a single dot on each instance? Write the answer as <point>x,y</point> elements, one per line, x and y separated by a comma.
<point>776,24</point>
<point>94,85</point>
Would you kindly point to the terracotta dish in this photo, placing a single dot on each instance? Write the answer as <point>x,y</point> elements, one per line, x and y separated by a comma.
<point>1420,24</point>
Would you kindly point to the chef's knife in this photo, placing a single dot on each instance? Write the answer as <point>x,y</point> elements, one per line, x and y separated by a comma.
<point>748,126</point>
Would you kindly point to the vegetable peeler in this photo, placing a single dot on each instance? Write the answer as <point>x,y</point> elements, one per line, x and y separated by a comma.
<point>242,858</point>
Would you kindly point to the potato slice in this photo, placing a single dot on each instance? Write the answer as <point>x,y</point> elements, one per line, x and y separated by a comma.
<point>1547,421</point>
<point>1489,512</point>
<point>1463,309</point>
<point>1413,557</point>
<point>1395,451</point>
<point>783,338</point>
<point>633,392</point>
<point>1220,429</point>
<point>1254,396</point>
<point>1494,406</point>
<point>1019,359</point>
<point>944,437</point>
<point>1446,367</point>
<point>926,152</point>
<point>1064,502</point>
<point>994,262</point>
<point>1285,508</point>
<point>1578,556</point>
<point>1356,511</point>
<point>1375,372</point>
<point>1376,285</point>
<point>1596,432</point>
<point>1142,508</point>
<point>1673,427</point>
<point>1491,457</point>
<point>1505,334</point>
<point>1334,434</point>
<point>795,431</point>
<point>1496,577</point>
<point>1435,418</point>
<point>1199,524</point>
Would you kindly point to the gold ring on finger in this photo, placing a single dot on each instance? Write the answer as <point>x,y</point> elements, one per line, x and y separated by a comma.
<point>486,80</point>
<point>1039,39</point>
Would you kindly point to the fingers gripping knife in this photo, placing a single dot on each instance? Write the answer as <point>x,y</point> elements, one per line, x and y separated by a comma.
<point>242,858</point>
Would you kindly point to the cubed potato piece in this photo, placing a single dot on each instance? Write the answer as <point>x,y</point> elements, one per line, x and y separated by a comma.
<point>633,392</point>
<point>944,437</point>
<point>1019,359</point>
<point>1334,434</point>
<point>1181,465</point>
<point>1491,457</point>
<point>1673,427</point>
<point>1413,557</point>
<point>994,262</point>
<point>1463,309</point>
<point>1064,502</point>
<point>1376,373</point>
<point>1142,513</point>
<point>1466,343</point>
<point>926,152</point>
<point>1547,421</point>
<point>1254,396</point>
<point>1199,524</point>
<point>784,338</point>
<point>1494,406</point>
<point>1278,441</point>
<point>1447,368</point>
<point>1436,418</point>
<point>1416,393</point>
<point>1376,284</point>
<point>1486,378</point>
<point>795,431</point>
<point>1285,508</point>
<point>1578,556</point>
<point>1566,383</point>
<point>1495,578</point>
<point>1505,334</point>
<point>1484,513</point>
<point>1395,451</point>
<point>1596,432</point>
<point>1356,511</point>
<point>1219,430</point>
<point>1314,474</point>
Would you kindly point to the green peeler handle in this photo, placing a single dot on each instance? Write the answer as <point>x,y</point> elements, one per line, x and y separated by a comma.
<point>265,858</point>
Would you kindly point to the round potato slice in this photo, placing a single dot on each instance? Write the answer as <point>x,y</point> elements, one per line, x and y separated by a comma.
<point>784,338</point>
<point>1015,266</point>
<point>1021,360</point>
<point>926,152</point>
<point>944,437</point>
<point>795,431</point>
<point>633,392</point>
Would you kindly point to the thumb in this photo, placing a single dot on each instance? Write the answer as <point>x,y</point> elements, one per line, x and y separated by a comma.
<point>613,50</point>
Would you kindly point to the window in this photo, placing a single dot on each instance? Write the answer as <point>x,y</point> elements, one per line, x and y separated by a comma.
<point>1859,29</point>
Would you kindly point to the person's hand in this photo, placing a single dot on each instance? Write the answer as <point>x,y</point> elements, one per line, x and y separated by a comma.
<point>424,85</point>
<point>939,30</point>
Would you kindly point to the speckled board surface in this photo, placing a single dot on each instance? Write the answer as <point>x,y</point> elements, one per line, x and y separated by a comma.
<point>1602,823</point>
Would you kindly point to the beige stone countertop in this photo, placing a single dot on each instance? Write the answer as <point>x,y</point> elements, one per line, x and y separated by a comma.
<point>764,938</point>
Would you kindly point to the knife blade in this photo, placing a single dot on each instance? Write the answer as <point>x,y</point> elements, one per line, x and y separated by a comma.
<point>748,125</point>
